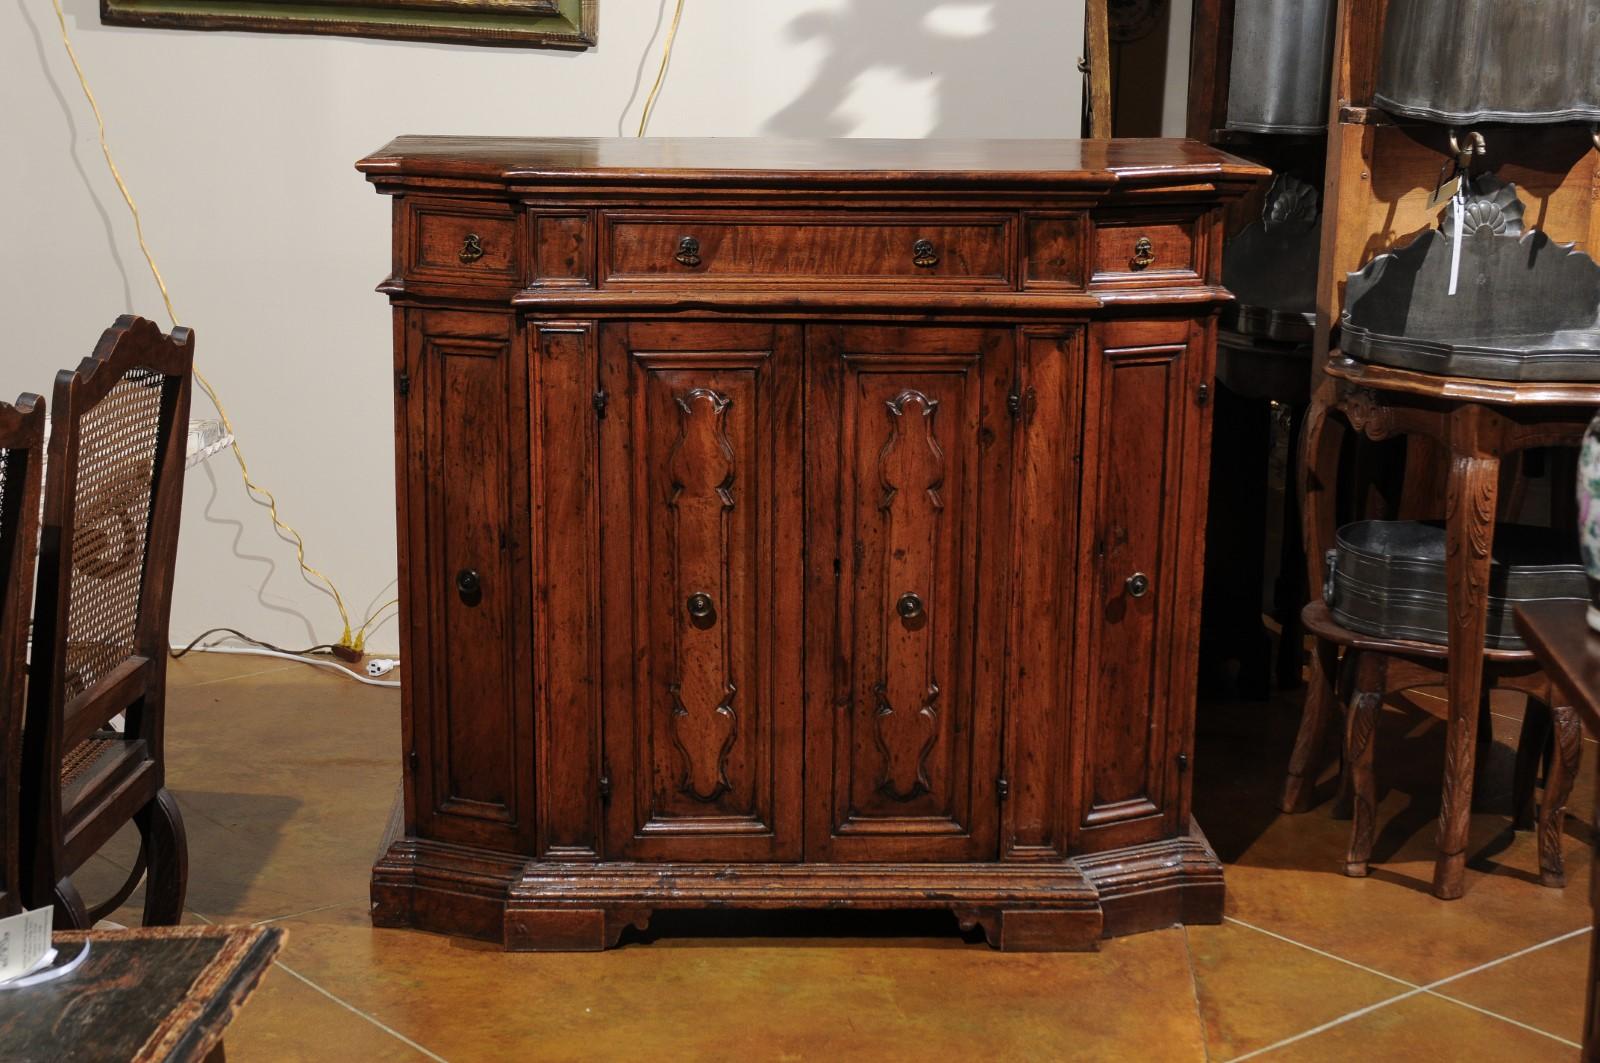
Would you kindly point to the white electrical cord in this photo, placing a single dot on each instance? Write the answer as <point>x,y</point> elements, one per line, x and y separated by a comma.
<point>253,651</point>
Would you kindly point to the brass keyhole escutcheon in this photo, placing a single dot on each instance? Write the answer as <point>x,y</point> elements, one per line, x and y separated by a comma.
<point>688,251</point>
<point>923,255</point>
<point>1144,253</point>
<point>471,249</point>
<point>1138,585</point>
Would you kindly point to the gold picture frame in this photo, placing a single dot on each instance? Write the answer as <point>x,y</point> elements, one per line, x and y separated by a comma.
<point>508,23</point>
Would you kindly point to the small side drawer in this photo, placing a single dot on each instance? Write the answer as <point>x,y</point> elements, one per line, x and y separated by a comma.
<point>461,242</point>
<point>1138,251</point>
<point>949,251</point>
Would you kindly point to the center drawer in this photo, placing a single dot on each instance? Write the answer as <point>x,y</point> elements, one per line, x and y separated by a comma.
<point>809,250</point>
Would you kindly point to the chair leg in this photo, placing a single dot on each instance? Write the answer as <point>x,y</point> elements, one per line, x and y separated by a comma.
<point>1531,744</point>
<point>71,913</point>
<point>1360,740</point>
<point>161,824</point>
<point>1315,719</point>
<point>1564,761</point>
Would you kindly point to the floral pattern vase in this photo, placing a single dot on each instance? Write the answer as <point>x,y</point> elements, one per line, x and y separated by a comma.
<point>1589,515</point>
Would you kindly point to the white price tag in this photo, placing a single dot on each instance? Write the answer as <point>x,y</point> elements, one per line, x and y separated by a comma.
<point>1458,208</point>
<point>25,943</point>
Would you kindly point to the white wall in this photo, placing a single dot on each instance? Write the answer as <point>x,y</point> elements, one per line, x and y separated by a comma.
<point>238,150</point>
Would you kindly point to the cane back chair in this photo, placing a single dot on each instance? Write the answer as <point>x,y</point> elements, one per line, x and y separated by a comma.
<point>21,453</point>
<point>113,491</point>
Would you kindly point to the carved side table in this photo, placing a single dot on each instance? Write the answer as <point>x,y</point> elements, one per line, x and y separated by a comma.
<point>1478,423</point>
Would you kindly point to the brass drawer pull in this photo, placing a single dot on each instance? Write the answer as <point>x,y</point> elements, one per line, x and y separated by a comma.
<point>923,255</point>
<point>471,249</point>
<point>688,251</point>
<point>1144,254</point>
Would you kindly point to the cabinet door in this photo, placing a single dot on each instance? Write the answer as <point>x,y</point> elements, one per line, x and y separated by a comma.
<point>908,437</point>
<point>463,501</point>
<point>701,577</point>
<point>1144,523</point>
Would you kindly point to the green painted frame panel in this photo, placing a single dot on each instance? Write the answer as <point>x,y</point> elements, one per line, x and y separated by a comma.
<point>508,23</point>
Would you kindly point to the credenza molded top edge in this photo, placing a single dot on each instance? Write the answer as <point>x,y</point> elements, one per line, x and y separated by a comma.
<point>836,162</point>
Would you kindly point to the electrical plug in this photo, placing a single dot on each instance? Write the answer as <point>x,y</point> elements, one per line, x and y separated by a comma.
<point>381,666</point>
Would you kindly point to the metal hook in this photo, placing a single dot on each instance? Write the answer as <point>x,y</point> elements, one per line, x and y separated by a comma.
<point>1475,146</point>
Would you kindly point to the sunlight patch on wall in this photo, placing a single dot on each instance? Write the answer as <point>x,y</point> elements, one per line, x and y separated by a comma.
<point>889,103</point>
<point>960,20</point>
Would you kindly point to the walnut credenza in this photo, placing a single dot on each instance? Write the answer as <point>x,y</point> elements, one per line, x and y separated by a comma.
<point>800,525</point>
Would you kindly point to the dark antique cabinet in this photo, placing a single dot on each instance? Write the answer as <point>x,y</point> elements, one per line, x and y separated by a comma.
<point>800,525</point>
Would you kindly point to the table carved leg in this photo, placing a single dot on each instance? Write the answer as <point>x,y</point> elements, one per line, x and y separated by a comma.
<point>1321,440</point>
<point>1469,538</point>
<point>1361,728</point>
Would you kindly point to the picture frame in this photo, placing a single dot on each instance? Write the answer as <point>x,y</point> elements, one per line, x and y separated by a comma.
<point>567,24</point>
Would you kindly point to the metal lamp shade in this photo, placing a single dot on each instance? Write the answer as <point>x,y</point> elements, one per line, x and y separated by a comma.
<point>1282,56</point>
<point>1460,62</point>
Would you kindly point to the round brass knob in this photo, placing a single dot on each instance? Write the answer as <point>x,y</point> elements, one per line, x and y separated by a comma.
<point>909,606</point>
<point>1138,585</point>
<point>469,585</point>
<point>700,605</point>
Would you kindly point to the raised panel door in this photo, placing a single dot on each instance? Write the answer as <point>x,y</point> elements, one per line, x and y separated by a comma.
<point>463,500</point>
<point>908,435</point>
<point>1134,571</point>
<point>701,569</point>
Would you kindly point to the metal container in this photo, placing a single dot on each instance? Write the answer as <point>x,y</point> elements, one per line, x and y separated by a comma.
<point>1526,308</point>
<point>1270,266</point>
<point>1464,61</point>
<point>1387,578</point>
<point>1282,62</point>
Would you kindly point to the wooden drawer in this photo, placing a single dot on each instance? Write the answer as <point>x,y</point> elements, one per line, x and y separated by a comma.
<point>462,242</point>
<point>1138,251</point>
<point>809,250</point>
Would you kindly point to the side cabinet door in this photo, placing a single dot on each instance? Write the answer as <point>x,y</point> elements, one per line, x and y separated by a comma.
<point>1138,591</point>
<point>463,503</point>
<point>701,588</point>
<point>908,437</point>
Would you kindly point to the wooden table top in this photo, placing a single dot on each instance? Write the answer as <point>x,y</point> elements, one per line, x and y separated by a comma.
<point>155,993</point>
<point>1570,652</point>
<point>851,161</point>
<point>1463,389</point>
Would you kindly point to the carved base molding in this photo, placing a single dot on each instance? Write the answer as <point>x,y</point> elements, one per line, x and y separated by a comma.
<point>1022,907</point>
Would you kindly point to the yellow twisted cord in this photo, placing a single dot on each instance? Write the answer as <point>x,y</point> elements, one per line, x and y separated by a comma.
<point>253,488</point>
<point>661,74</point>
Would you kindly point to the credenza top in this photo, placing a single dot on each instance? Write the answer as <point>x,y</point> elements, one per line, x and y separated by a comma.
<point>852,163</point>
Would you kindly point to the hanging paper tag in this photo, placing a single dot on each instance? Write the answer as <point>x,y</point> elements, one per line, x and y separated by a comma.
<point>25,943</point>
<point>1458,207</point>
<point>1445,191</point>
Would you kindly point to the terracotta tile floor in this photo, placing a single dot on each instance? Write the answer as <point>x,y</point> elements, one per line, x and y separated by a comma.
<point>286,775</point>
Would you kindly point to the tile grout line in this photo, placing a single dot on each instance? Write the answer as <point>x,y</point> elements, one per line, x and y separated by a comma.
<point>391,1031</point>
<point>232,678</point>
<point>1320,952</point>
<point>340,1001</point>
<point>1194,987</point>
<point>308,911</point>
<point>1427,990</point>
<point>1505,1018</point>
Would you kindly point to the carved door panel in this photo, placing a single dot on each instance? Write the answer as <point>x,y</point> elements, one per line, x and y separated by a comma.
<point>1139,580</point>
<point>908,437</point>
<point>701,577</point>
<point>463,497</point>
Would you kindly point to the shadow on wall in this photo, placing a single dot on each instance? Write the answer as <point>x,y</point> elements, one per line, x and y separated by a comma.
<point>958,46</point>
<point>59,91</point>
